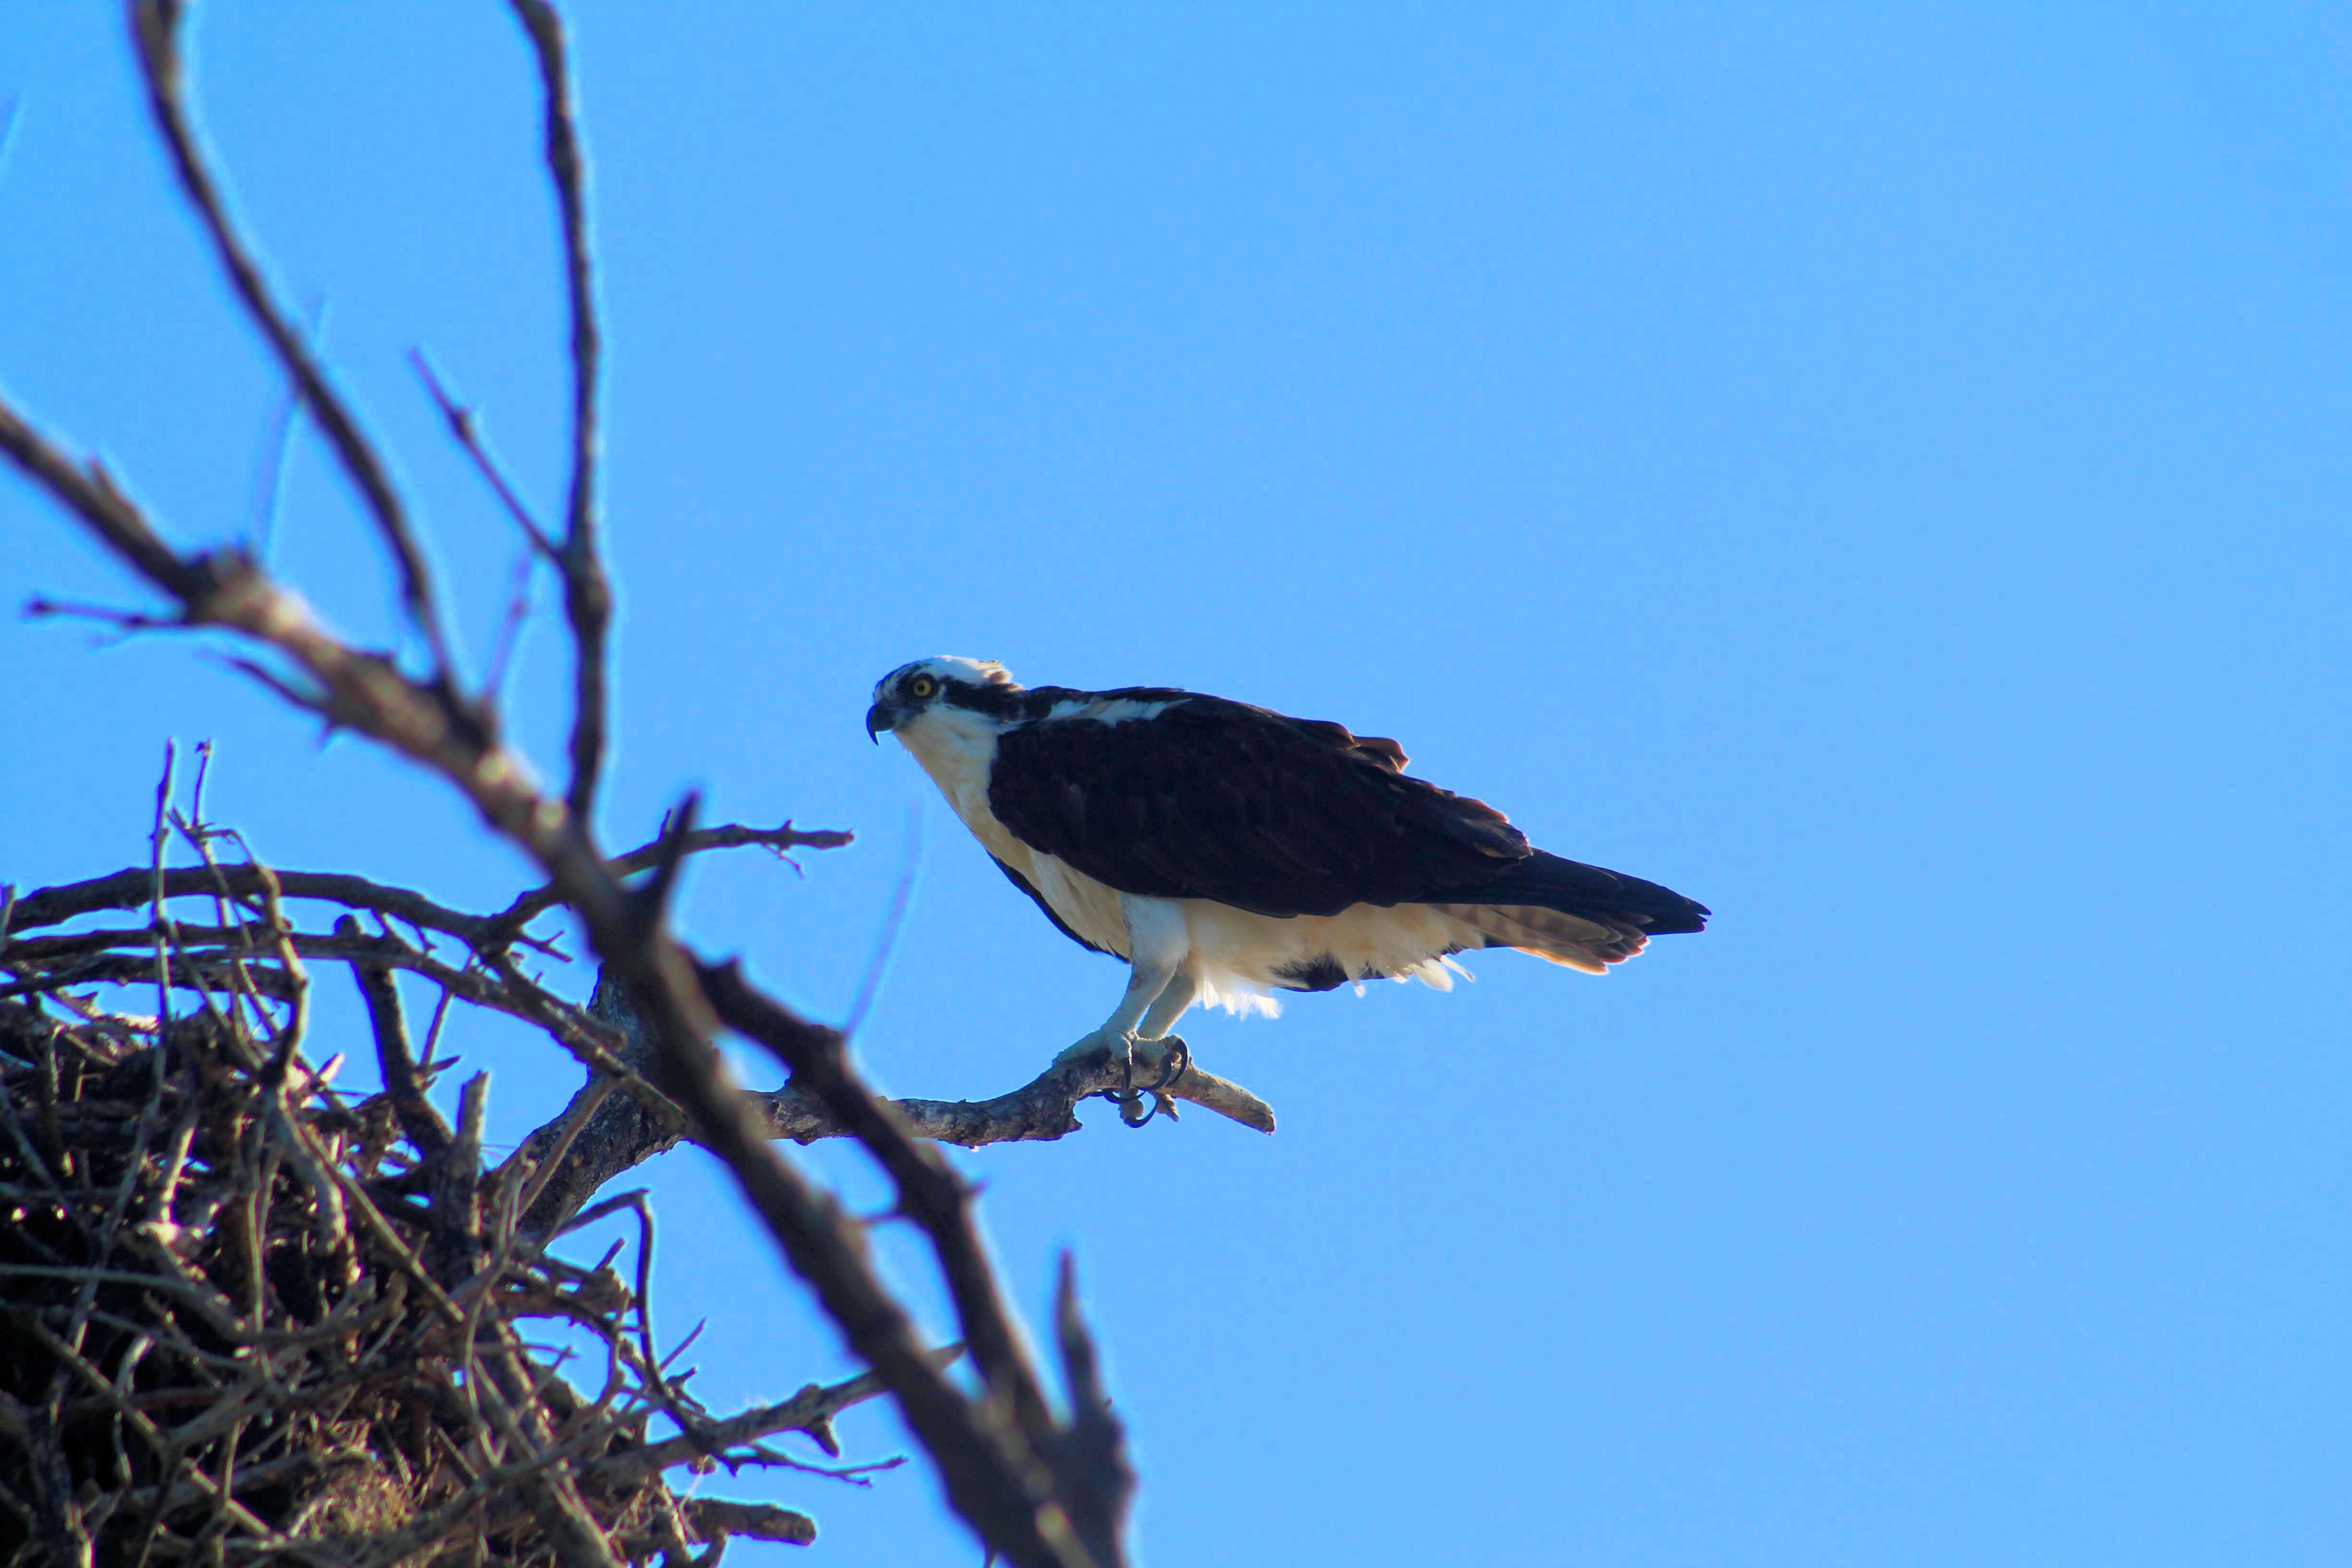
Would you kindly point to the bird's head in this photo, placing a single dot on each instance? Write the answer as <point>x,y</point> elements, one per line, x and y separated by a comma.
<point>908,693</point>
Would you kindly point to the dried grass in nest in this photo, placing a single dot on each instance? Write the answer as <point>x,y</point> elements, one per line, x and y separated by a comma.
<point>247,1319</point>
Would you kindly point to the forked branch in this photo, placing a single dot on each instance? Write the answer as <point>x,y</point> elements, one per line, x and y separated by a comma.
<point>1043,1491</point>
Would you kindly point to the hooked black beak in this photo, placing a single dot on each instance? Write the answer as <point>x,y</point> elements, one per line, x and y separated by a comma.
<point>878,718</point>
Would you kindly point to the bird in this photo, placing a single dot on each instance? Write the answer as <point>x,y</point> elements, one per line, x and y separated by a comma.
<point>1227,852</point>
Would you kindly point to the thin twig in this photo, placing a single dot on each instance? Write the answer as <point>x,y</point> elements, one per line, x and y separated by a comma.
<point>278,455</point>
<point>510,624</point>
<point>8,130</point>
<point>870,983</point>
<point>159,923</point>
<point>460,420</point>
<point>808,1411</point>
<point>730,835</point>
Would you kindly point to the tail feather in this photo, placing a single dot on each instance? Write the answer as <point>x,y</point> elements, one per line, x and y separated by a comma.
<point>1572,888</point>
<point>1574,941</point>
<point>1571,913</point>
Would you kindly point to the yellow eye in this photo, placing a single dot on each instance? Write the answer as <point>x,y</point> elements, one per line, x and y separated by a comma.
<point>921,686</point>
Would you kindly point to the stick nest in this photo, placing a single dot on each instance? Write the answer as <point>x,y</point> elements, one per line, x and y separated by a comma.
<point>247,1317</point>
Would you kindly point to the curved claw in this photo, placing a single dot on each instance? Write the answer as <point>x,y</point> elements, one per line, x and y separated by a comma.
<point>1174,1064</point>
<point>1175,1060</point>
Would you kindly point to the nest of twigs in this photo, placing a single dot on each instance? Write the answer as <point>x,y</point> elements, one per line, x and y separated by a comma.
<point>244,1317</point>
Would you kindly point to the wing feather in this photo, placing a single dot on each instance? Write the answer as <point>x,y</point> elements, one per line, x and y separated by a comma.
<point>1219,800</point>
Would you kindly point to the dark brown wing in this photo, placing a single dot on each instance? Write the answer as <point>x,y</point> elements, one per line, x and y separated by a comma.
<point>1213,799</point>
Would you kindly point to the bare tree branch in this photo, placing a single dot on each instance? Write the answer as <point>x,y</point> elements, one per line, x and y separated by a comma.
<point>92,497</point>
<point>1091,1456</point>
<point>1042,1109</point>
<point>394,1059</point>
<point>1037,1490</point>
<point>811,1410</point>
<point>929,1192</point>
<point>130,889</point>
<point>363,691</point>
<point>730,835</point>
<point>713,1519</point>
<point>156,30</point>
<point>993,1476</point>
<point>587,595</point>
<point>460,420</point>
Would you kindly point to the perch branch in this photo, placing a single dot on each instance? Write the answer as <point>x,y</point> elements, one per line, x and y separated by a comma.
<point>619,1136</point>
<point>1044,1108</point>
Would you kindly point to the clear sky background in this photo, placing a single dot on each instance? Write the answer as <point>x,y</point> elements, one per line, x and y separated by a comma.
<point>1879,469</point>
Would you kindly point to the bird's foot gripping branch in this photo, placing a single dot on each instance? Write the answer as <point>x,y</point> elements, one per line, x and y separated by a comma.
<point>1044,1108</point>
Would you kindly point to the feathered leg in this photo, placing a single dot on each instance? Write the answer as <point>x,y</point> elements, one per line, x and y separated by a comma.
<point>1174,997</point>
<point>1156,948</point>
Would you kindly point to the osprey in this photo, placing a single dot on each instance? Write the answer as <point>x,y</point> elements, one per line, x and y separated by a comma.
<point>1227,852</point>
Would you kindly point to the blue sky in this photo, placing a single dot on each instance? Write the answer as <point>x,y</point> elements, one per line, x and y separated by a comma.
<point>1877,469</point>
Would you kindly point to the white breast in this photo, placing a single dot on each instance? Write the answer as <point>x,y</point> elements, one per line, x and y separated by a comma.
<point>957,749</point>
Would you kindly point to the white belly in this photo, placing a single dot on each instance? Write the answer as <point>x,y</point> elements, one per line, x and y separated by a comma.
<point>1240,959</point>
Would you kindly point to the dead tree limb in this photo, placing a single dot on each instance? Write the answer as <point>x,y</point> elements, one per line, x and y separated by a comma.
<point>1044,1492</point>
<point>1085,1487</point>
<point>396,1059</point>
<point>811,1410</point>
<point>988,1460</point>
<point>132,888</point>
<point>587,594</point>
